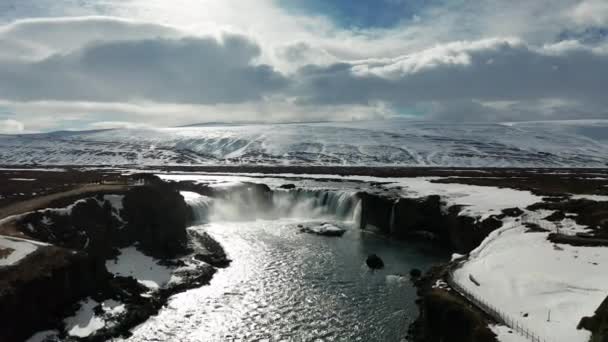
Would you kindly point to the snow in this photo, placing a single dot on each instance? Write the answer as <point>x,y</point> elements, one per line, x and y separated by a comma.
<point>145,269</point>
<point>18,249</point>
<point>38,169</point>
<point>112,307</point>
<point>479,201</point>
<point>66,210</point>
<point>22,179</point>
<point>115,201</point>
<point>506,334</point>
<point>370,143</point>
<point>523,273</point>
<point>84,322</point>
<point>42,336</point>
<point>326,228</point>
<point>190,196</point>
<point>598,198</point>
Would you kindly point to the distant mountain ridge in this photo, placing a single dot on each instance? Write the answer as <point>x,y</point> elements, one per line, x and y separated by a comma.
<point>395,142</point>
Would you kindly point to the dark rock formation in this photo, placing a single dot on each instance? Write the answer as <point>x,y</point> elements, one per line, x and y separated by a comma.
<point>46,284</point>
<point>288,186</point>
<point>578,240</point>
<point>90,227</point>
<point>589,213</point>
<point>450,318</point>
<point>374,262</point>
<point>213,253</point>
<point>415,273</point>
<point>157,216</point>
<point>556,216</point>
<point>445,316</point>
<point>597,324</point>
<point>324,229</point>
<point>512,212</point>
<point>404,218</point>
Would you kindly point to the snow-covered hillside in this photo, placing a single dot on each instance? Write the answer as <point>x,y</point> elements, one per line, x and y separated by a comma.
<point>365,143</point>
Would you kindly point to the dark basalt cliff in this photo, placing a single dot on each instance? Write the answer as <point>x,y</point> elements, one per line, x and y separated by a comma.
<point>445,316</point>
<point>34,296</point>
<point>597,324</point>
<point>405,218</point>
<point>157,217</point>
<point>47,285</point>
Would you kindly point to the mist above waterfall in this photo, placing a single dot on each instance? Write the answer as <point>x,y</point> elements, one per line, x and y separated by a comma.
<point>251,205</point>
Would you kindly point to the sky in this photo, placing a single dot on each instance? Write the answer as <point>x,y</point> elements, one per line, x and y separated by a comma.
<point>90,64</point>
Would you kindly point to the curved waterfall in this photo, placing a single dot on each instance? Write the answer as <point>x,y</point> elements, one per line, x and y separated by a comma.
<point>308,204</point>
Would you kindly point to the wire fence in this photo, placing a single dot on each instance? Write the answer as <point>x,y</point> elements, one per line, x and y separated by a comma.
<point>494,312</point>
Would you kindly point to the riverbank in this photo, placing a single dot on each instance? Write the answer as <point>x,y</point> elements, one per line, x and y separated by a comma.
<point>463,211</point>
<point>107,257</point>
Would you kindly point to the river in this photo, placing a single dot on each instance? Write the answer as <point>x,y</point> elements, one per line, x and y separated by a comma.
<point>284,285</point>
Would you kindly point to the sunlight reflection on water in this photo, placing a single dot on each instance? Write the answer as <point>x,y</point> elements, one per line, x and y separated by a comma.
<point>287,286</point>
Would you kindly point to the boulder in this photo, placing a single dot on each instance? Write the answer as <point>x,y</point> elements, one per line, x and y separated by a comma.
<point>512,212</point>
<point>324,229</point>
<point>213,254</point>
<point>374,262</point>
<point>415,273</point>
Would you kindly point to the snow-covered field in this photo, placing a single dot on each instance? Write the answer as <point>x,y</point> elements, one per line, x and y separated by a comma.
<point>16,249</point>
<point>546,287</point>
<point>147,271</point>
<point>364,143</point>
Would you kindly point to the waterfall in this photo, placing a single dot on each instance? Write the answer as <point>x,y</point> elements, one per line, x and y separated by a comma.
<point>307,204</point>
<point>315,203</point>
<point>391,223</point>
<point>199,204</point>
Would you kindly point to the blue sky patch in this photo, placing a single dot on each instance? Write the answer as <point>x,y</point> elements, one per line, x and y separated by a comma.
<point>359,13</point>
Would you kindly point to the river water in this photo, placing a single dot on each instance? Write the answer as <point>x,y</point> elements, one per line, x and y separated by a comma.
<point>284,285</point>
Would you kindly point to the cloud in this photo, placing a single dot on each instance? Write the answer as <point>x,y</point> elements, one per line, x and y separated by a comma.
<point>9,126</point>
<point>43,115</point>
<point>100,62</point>
<point>117,124</point>
<point>486,70</point>
<point>41,37</point>
<point>185,70</point>
<point>591,12</point>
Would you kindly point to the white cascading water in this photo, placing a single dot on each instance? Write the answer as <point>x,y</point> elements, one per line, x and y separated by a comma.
<point>308,204</point>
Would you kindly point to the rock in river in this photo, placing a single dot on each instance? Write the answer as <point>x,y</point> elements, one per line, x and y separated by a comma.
<point>324,229</point>
<point>374,262</point>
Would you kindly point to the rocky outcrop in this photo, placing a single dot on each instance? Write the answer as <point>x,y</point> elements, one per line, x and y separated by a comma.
<point>445,316</point>
<point>157,216</point>
<point>90,226</point>
<point>404,218</point>
<point>212,252</point>
<point>324,229</point>
<point>586,212</point>
<point>450,318</point>
<point>597,324</point>
<point>46,285</point>
<point>374,262</point>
